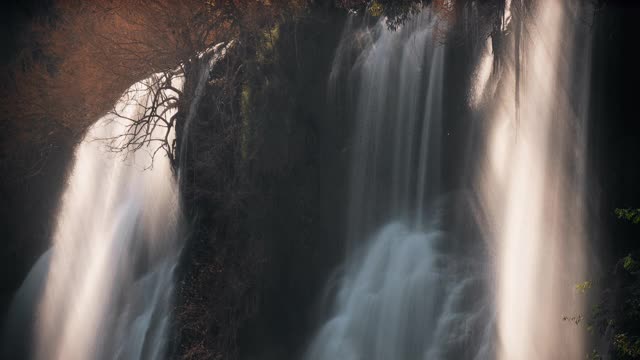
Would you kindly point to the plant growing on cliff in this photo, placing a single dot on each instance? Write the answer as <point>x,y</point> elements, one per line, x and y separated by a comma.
<point>615,317</point>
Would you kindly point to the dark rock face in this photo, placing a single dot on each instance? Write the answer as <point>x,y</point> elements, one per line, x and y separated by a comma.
<point>32,176</point>
<point>30,189</point>
<point>263,185</point>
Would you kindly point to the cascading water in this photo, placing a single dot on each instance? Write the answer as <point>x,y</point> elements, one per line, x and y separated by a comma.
<point>403,294</point>
<point>104,290</point>
<point>109,287</point>
<point>532,183</point>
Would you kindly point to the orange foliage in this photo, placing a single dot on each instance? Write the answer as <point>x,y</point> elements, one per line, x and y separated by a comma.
<point>91,51</point>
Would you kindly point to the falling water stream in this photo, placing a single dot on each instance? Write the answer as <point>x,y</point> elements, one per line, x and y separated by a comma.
<point>532,183</point>
<point>403,293</point>
<point>109,287</point>
<point>104,290</point>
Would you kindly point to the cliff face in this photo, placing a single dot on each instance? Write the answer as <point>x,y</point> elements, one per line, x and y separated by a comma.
<point>263,184</point>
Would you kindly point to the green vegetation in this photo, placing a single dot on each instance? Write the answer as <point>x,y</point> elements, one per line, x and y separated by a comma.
<point>629,264</point>
<point>632,215</point>
<point>615,317</point>
<point>245,108</point>
<point>397,12</point>
<point>584,286</point>
<point>627,346</point>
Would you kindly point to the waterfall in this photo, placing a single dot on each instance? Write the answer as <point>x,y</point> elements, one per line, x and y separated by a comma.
<point>406,291</point>
<point>104,290</point>
<point>412,285</point>
<point>398,113</point>
<point>532,183</point>
<point>403,294</point>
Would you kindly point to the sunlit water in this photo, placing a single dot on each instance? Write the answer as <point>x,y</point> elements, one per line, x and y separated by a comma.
<point>533,185</point>
<point>109,286</point>
<point>104,290</point>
